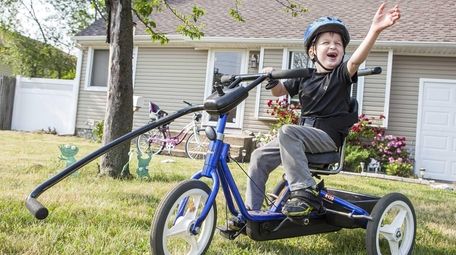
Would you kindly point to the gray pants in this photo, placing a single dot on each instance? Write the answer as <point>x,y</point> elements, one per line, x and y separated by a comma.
<point>289,148</point>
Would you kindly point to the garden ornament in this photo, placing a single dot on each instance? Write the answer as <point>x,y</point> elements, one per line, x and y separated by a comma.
<point>68,152</point>
<point>374,166</point>
<point>143,164</point>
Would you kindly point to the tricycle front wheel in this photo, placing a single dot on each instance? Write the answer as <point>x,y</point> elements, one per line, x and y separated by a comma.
<point>393,226</point>
<point>171,228</point>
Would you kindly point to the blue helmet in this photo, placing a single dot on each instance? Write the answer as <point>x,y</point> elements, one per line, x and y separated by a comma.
<point>325,24</point>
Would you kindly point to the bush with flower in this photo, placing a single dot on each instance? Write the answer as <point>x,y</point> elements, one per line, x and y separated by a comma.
<point>389,150</point>
<point>284,112</point>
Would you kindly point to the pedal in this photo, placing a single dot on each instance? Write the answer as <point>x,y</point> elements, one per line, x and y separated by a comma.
<point>228,233</point>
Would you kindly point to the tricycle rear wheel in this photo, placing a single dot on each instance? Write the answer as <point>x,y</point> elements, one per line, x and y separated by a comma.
<point>393,226</point>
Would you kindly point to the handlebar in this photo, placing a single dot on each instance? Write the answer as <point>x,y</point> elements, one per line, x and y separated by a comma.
<point>289,74</point>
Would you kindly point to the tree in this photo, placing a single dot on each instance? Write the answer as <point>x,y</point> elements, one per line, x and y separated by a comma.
<point>32,58</point>
<point>119,109</point>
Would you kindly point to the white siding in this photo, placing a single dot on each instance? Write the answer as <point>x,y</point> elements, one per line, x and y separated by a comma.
<point>91,104</point>
<point>272,58</point>
<point>251,123</point>
<point>375,85</point>
<point>407,70</point>
<point>164,75</point>
<point>167,76</point>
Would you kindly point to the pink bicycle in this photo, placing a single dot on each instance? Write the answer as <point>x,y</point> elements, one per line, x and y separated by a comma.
<point>158,139</point>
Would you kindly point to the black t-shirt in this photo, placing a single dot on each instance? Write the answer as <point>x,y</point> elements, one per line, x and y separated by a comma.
<point>325,95</point>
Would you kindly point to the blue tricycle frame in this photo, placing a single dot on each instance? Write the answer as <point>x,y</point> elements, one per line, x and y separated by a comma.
<point>176,215</point>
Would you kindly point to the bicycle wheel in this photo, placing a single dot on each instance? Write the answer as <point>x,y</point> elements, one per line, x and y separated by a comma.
<point>196,145</point>
<point>393,228</point>
<point>170,231</point>
<point>275,193</point>
<point>153,140</point>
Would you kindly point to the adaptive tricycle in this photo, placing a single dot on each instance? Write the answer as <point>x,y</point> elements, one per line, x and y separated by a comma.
<point>184,222</point>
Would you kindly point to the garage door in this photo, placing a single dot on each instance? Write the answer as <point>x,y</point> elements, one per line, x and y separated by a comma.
<point>436,129</point>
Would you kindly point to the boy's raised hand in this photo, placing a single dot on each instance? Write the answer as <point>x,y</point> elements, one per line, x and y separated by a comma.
<point>384,19</point>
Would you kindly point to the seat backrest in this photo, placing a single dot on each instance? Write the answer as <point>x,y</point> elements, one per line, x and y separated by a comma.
<point>320,163</point>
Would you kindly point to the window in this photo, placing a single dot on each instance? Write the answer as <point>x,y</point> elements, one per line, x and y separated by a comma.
<point>226,62</point>
<point>97,69</point>
<point>298,59</point>
<point>100,67</point>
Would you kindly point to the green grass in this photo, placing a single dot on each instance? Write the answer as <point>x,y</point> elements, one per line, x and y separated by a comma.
<point>91,215</point>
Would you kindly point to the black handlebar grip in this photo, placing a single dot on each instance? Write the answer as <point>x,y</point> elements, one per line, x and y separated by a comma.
<point>290,74</point>
<point>369,71</point>
<point>36,208</point>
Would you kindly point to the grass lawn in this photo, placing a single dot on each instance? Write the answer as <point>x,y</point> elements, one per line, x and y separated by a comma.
<point>91,215</point>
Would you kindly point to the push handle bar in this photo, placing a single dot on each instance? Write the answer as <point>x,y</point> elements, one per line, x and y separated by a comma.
<point>290,74</point>
<point>40,212</point>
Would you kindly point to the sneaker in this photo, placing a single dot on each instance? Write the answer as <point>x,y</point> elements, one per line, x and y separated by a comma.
<point>302,202</point>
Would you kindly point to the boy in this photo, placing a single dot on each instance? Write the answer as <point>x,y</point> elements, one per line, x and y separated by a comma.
<point>324,94</point>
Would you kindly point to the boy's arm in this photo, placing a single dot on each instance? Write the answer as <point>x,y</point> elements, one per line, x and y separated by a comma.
<point>382,20</point>
<point>279,90</point>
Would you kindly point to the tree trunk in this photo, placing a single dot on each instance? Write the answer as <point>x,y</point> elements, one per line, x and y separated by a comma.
<point>119,108</point>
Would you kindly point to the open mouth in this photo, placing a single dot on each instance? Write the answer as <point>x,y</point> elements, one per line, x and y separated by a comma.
<point>332,55</point>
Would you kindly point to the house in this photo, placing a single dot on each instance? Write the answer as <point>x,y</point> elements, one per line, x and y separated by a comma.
<point>416,91</point>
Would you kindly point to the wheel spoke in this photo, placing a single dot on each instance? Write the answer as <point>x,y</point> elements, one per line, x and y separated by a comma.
<point>179,228</point>
<point>387,231</point>
<point>399,219</point>
<point>394,247</point>
<point>192,241</point>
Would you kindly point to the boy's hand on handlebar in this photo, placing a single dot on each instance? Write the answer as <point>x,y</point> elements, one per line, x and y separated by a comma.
<point>271,82</point>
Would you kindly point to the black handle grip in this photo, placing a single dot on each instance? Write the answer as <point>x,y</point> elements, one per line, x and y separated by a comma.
<point>369,71</point>
<point>36,208</point>
<point>290,74</point>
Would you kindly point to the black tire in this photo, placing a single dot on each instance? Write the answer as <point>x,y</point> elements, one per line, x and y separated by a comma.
<point>156,146</point>
<point>276,191</point>
<point>165,222</point>
<point>197,149</point>
<point>400,226</point>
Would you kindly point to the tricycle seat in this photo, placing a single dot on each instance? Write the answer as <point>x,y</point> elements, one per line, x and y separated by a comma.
<point>323,158</point>
<point>326,162</point>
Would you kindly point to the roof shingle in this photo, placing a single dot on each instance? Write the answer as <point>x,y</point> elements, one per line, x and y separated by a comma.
<point>419,21</point>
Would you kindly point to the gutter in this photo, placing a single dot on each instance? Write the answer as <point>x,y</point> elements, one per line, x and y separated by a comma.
<point>424,48</point>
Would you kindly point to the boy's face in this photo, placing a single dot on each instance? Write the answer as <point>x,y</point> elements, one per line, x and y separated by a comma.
<point>329,49</point>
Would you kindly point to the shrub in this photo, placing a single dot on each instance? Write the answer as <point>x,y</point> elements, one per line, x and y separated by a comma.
<point>399,168</point>
<point>97,131</point>
<point>354,155</point>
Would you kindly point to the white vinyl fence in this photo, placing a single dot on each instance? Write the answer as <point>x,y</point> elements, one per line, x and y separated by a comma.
<point>45,104</point>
